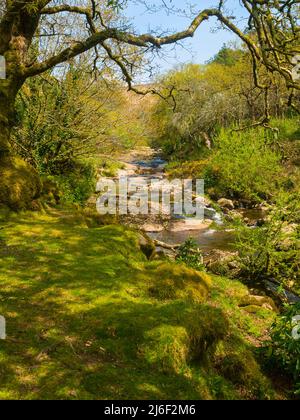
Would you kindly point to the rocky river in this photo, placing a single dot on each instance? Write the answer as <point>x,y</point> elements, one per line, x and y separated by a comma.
<point>210,233</point>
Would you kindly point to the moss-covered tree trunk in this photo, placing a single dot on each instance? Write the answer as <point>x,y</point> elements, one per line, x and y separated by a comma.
<point>19,183</point>
<point>7,100</point>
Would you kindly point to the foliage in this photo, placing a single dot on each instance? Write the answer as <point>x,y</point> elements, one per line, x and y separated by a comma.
<point>243,166</point>
<point>76,185</point>
<point>227,56</point>
<point>284,347</point>
<point>272,251</point>
<point>289,141</point>
<point>109,167</point>
<point>190,254</point>
<point>206,98</point>
<point>63,120</point>
<point>117,4</point>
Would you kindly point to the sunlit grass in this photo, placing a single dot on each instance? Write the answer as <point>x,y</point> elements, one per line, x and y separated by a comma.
<point>83,321</point>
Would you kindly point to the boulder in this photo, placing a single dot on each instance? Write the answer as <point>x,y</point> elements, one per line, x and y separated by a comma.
<point>152,227</point>
<point>222,262</point>
<point>253,309</point>
<point>225,203</point>
<point>177,281</point>
<point>233,215</point>
<point>251,301</point>
<point>20,184</point>
<point>146,246</point>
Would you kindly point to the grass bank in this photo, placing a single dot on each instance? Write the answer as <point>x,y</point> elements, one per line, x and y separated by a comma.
<point>89,317</point>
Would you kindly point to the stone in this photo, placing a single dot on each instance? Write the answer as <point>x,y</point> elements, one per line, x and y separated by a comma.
<point>152,228</point>
<point>225,203</point>
<point>253,309</point>
<point>147,246</point>
<point>258,301</point>
<point>190,225</point>
<point>222,262</point>
<point>235,215</point>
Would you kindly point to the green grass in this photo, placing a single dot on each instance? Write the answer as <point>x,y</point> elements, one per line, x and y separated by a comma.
<point>83,321</point>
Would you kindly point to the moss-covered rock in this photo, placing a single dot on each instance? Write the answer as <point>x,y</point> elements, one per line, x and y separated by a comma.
<point>177,281</point>
<point>51,193</point>
<point>94,219</point>
<point>223,263</point>
<point>19,184</point>
<point>243,370</point>
<point>171,348</point>
<point>252,302</point>
<point>167,348</point>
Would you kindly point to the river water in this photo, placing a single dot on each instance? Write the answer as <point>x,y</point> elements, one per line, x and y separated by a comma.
<point>210,234</point>
<point>179,229</point>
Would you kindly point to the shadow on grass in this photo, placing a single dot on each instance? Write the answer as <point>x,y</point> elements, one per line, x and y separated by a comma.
<point>77,312</point>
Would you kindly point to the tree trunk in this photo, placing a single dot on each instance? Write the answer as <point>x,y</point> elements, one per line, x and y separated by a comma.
<point>7,100</point>
<point>19,182</point>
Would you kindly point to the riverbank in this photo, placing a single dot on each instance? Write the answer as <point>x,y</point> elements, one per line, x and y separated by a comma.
<point>87,318</point>
<point>215,235</point>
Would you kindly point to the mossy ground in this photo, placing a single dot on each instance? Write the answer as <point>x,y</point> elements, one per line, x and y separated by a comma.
<point>82,322</point>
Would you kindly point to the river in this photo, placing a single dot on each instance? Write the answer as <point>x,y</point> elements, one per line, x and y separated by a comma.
<point>210,234</point>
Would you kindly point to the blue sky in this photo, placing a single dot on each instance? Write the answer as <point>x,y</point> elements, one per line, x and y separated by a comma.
<point>207,41</point>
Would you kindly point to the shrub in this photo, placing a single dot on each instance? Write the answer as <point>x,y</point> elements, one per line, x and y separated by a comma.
<point>288,128</point>
<point>184,170</point>
<point>77,185</point>
<point>244,166</point>
<point>272,251</point>
<point>284,347</point>
<point>190,254</point>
